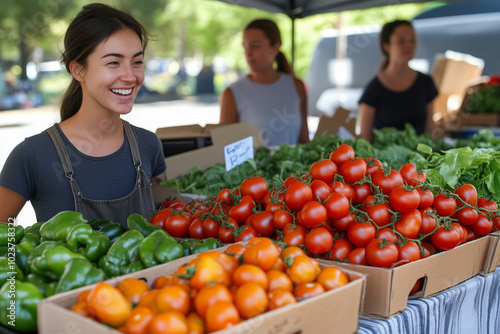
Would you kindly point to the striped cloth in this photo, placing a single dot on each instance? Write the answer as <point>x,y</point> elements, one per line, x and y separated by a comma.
<point>472,307</point>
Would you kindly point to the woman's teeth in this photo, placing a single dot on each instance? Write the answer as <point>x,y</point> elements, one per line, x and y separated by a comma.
<point>122,91</point>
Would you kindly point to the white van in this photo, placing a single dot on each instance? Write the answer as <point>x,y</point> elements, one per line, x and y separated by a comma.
<point>332,83</point>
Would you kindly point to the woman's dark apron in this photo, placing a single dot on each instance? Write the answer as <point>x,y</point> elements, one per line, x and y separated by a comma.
<point>140,200</point>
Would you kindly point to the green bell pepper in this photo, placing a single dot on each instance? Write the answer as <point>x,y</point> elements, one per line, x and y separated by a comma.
<point>106,226</point>
<point>58,227</point>
<point>50,289</point>
<point>113,231</point>
<point>34,229</point>
<point>139,223</point>
<point>78,273</point>
<point>18,310</point>
<point>10,234</point>
<point>46,287</point>
<point>31,238</point>
<point>4,251</point>
<point>195,246</point>
<point>122,253</point>
<point>157,248</point>
<point>132,268</point>
<point>52,261</point>
<point>38,250</point>
<point>84,240</point>
<point>23,251</point>
<point>9,270</point>
<point>97,224</point>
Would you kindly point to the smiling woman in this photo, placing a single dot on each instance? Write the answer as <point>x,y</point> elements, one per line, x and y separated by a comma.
<point>92,161</point>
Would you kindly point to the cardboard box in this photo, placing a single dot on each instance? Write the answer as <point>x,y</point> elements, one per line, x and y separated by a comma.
<point>335,311</point>
<point>207,156</point>
<point>340,124</point>
<point>492,260</point>
<point>452,73</point>
<point>466,119</point>
<point>453,70</point>
<point>180,139</point>
<point>387,290</point>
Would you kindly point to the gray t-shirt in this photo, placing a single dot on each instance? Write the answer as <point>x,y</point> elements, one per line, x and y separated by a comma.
<point>274,108</point>
<point>33,170</point>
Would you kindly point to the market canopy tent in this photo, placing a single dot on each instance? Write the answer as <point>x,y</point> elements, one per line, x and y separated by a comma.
<point>302,8</point>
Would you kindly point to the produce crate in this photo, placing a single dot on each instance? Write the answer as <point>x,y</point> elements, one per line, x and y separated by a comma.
<point>387,290</point>
<point>466,119</point>
<point>335,311</point>
<point>492,260</point>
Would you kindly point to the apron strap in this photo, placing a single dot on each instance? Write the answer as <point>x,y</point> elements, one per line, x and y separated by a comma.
<point>133,144</point>
<point>61,151</point>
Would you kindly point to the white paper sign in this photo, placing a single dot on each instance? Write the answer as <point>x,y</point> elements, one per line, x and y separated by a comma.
<point>238,152</point>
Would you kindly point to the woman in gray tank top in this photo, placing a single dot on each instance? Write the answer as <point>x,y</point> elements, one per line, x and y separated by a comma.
<point>272,98</point>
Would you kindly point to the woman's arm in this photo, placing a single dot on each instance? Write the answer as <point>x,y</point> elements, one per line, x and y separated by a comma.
<point>228,108</point>
<point>429,124</point>
<point>304,130</point>
<point>365,121</point>
<point>12,203</point>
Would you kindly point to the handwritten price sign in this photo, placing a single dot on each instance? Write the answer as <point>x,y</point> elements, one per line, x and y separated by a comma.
<point>238,152</point>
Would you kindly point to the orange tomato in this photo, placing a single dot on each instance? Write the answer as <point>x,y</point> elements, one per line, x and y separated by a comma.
<point>291,252</point>
<point>262,253</point>
<point>308,290</point>
<point>170,322</point>
<point>230,263</point>
<point>235,250</point>
<point>279,265</point>
<point>180,274</point>
<point>209,271</point>
<point>303,269</point>
<point>250,300</point>
<point>133,289</point>
<point>250,273</point>
<point>139,320</point>
<point>209,295</point>
<point>221,315</point>
<point>81,308</point>
<point>331,278</point>
<point>149,300</point>
<point>109,305</point>
<point>82,296</point>
<point>196,324</point>
<point>173,298</point>
<point>162,281</point>
<point>279,298</point>
<point>278,280</point>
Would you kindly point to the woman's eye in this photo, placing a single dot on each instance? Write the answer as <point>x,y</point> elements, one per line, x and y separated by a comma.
<point>113,63</point>
<point>138,62</point>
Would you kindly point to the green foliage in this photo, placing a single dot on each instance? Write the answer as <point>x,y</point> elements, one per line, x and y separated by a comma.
<point>183,28</point>
<point>484,101</point>
<point>477,166</point>
<point>475,160</point>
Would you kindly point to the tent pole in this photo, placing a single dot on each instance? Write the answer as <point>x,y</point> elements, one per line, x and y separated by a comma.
<point>293,41</point>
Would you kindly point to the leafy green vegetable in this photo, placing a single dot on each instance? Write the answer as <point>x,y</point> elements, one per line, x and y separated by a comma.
<point>479,167</point>
<point>451,163</point>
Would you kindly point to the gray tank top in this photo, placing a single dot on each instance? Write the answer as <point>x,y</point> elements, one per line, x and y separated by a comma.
<point>274,108</point>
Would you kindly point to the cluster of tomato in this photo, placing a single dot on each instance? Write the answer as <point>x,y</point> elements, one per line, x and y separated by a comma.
<point>346,208</point>
<point>213,291</point>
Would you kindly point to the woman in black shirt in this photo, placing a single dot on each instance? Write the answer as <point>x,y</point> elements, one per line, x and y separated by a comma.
<point>398,94</point>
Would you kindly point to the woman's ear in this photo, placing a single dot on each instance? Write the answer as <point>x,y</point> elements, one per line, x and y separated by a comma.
<point>77,70</point>
<point>277,47</point>
<point>385,47</point>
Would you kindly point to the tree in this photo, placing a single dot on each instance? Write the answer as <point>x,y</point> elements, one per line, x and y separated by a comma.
<point>25,22</point>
